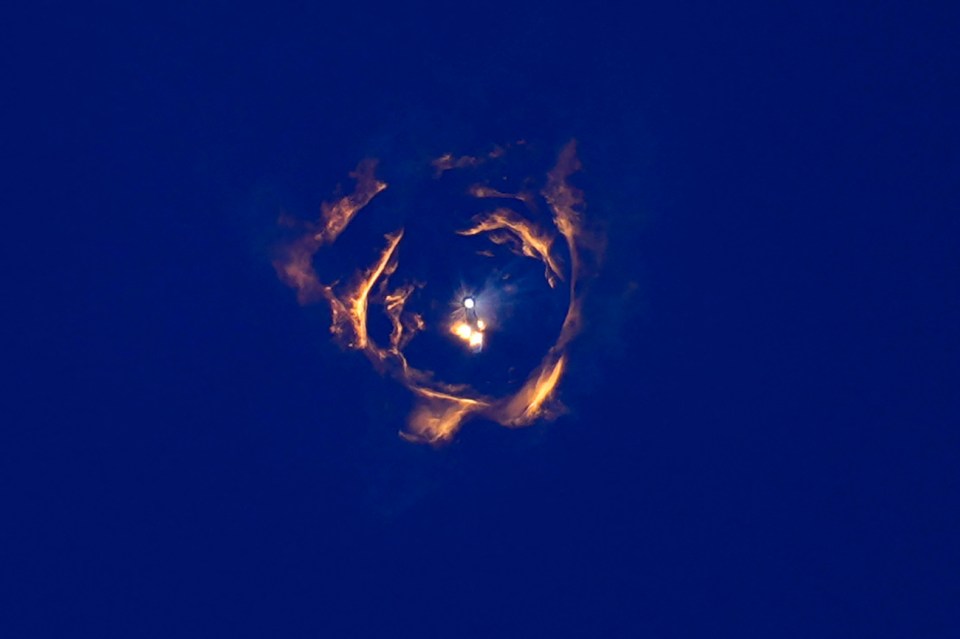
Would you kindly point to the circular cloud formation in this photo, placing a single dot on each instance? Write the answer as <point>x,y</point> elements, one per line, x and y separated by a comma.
<point>442,407</point>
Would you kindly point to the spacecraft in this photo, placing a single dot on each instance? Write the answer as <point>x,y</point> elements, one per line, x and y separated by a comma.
<point>470,328</point>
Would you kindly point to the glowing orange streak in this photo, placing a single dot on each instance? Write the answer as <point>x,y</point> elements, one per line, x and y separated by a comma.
<point>295,264</point>
<point>393,304</point>
<point>363,292</point>
<point>448,161</point>
<point>564,200</point>
<point>436,422</point>
<point>439,414</point>
<point>527,403</point>
<point>351,308</point>
<point>544,387</point>
<point>481,191</point>
<point>433,394</point>
<point>534,242</point>
<point>335,217</point>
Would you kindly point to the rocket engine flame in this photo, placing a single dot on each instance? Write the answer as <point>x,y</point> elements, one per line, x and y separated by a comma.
<point>442,408</point>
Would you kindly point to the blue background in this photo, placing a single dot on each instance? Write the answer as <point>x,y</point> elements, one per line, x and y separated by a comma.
<point>762,437</point>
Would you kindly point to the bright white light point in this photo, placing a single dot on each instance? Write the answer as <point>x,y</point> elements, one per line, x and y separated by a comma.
<point>468,303</point>
<point>481,325</point>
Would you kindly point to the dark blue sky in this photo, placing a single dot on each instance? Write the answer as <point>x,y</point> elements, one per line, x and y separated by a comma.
<point>762,429</point>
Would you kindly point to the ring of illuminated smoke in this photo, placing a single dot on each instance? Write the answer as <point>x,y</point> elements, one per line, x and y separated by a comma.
<point>441,407</point>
